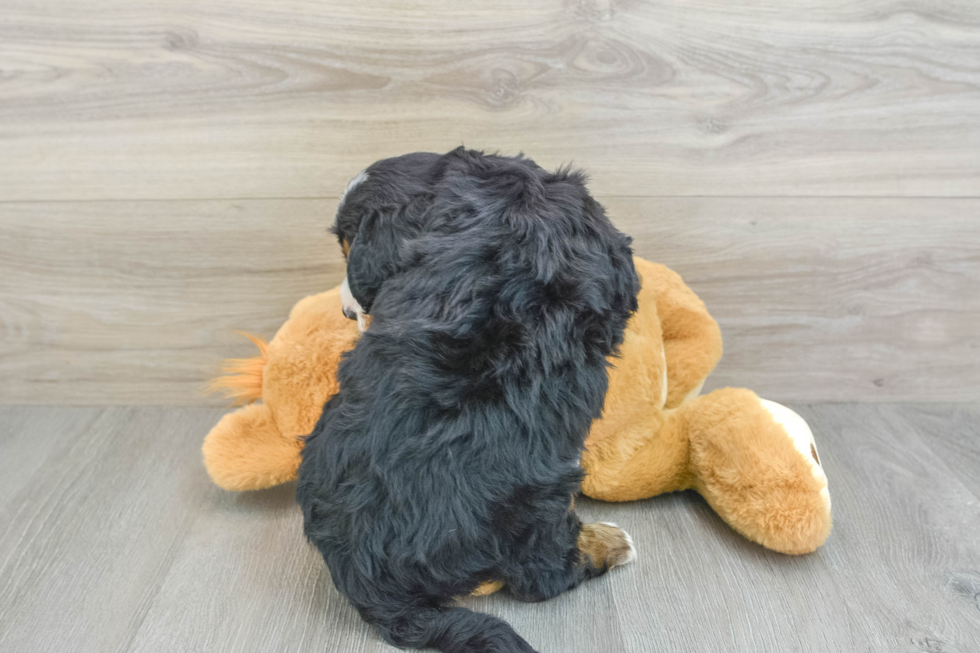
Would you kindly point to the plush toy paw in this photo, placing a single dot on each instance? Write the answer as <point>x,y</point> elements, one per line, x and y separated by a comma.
<point>801,520</point>
<point>798,431</point>
<point>246,451</point>
<point>755,462</point>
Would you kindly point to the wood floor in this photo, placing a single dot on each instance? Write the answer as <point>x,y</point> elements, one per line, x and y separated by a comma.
<point>115,540</point>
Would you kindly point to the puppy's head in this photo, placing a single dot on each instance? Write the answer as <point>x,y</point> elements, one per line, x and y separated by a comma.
<point>378,213</point>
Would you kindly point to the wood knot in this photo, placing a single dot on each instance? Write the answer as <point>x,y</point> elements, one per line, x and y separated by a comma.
<point>186,39</point>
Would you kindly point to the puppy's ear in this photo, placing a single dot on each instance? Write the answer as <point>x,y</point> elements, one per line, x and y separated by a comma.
<point>618,288</point>
<point>373,258</point>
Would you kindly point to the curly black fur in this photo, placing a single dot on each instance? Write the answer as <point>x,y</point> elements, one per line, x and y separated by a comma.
<point>449,456</point>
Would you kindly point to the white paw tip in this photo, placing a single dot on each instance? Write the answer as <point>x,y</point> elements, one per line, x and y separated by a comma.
<point>631,556</point>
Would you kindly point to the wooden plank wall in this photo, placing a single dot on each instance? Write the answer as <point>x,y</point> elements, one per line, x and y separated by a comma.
<point>812,169</point>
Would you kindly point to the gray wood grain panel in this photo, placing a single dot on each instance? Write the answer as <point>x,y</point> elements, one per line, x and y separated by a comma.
<point>833,300</point>
<point>87,541</point>
<point>902,514</point>
<point>138,302</point>
<point>840,299</point>
<point>25,454</point>
<point>953,434</point>
<point>125,99</point>
<point>245,565</point>
<point>119,543</point>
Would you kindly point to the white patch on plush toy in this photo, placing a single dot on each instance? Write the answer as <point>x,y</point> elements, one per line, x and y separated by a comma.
<point>695,391</point>
<point>631,556</point>
<point>802,437</point>
<point>663,389</point>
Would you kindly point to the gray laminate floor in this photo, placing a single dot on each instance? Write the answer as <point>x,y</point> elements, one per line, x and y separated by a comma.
<point>113,539</point>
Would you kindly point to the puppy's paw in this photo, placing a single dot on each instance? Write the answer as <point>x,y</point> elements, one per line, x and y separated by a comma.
<point>630,555</point>
<point>605,545</point>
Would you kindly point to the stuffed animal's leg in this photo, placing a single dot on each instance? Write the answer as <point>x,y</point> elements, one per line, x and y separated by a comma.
<point>633,456</point>
<point>754,461</point>
<point>691,337</point>
<point>246,451</point>
<point>756,464</point>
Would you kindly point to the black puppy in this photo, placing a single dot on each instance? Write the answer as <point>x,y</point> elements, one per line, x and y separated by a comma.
<point>449,457</point>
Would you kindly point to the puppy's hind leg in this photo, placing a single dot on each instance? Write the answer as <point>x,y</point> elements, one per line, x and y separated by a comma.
<point>593,549</point>
<point>602,546</point>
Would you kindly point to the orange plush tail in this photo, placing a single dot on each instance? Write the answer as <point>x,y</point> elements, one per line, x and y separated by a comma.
<point>243,376</point>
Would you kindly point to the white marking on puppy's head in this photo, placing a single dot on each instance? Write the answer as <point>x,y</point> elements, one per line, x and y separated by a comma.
<point>352,309</point>
<point>352,184</point>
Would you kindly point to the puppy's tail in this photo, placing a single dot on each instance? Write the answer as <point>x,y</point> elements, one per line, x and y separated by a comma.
<point>448,629</point>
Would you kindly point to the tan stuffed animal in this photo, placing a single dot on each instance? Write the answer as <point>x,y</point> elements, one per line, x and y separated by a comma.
<point>754,461</point>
